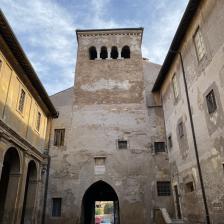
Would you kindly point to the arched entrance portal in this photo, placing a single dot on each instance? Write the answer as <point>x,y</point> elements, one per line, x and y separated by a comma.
<point>9,185</point>
<point>99,191</point>
<point>30,194</point>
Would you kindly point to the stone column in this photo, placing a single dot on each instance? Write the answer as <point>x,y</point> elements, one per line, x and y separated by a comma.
<point>30,205</point>
<point>108,53</point>
<point>22,189</point>
<point>12,196</point>
<point>98,53</point>
<point>119,53</point>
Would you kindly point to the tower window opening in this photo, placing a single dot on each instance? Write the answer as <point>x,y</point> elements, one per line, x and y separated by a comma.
<point>125,53</point>
<point>103,53</point>
<point>114,52</point>
<point>92,53</point>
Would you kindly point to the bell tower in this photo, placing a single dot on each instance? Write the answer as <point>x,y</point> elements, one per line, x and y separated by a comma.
<point>109,66</point>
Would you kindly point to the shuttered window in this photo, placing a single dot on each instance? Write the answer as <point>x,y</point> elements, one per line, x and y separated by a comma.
<point>175,86</point>
<point>21,100</point>
<point>199,44</point>
<point>59,135</point>
<point>211,102</point>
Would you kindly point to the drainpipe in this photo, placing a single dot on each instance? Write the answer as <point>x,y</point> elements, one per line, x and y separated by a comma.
<point>194,139</point>
<point>45,189</point>
<point>47,177</point>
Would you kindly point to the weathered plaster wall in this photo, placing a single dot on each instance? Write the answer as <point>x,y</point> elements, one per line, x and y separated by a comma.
<point>18,132</point>
<point>109,103</point>
<point>23,123</point>
<point>201,77</point>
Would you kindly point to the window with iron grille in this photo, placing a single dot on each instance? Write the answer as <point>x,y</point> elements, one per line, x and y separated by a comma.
<point>159,147</point>
<point>122,144</point>
<point>181,129</point>
<point>199,44</point>
<point>21,100</point>
<point>211,102</point>
<point>56,207</point>
<point>59,136</point>
<point>170,142</point>
<point>163,188</point>
<point>38,121</point>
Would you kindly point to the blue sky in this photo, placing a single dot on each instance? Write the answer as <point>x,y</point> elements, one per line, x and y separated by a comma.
<point>46,30</point>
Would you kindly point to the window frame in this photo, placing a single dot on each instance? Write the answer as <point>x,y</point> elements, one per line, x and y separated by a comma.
<point>103,53</point>
<point>164,190</point>
<point>62,137</point>
<point>175,86</point>
<point>211,102</point>
<point>181,129</point>
<point>92,53</point>
<point>126,52</point>
<point>198,34</point>
<point>58,212</point>
<point>158,147</point>
<point>21,111</point>
<point>38,121</point>
<point>120,142</point>
<point>170,141</point>
<point>189,187</point>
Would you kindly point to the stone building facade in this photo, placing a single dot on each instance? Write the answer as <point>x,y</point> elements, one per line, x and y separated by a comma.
<point>110,129</point>
<point>200,41</point>
<point>128,131</point>
<point>25,117</point>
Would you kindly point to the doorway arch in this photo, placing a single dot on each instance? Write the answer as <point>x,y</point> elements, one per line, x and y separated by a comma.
<point>99,191</point>
<point>9,185</point>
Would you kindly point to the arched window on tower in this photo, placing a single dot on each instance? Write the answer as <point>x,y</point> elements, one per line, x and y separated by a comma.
<point>125,53</point>
<point>92,53</point>
<point>114,52</point>
<point>103,53</point>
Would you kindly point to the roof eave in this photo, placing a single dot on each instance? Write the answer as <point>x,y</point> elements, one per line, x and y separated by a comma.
<point>20,55</point>
<point>176,42</point>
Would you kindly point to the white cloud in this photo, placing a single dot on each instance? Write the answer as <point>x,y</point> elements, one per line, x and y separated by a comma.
<point>47,31</point>
<point>48,36</point>
<point>158,35</point>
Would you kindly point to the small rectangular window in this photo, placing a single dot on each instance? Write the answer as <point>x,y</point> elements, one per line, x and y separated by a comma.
<point>159,147</point>
<point>181,129</point>
<point>59,135</point>
<point>189,187</point>
<point>170,143</point>
<point>38,121</point>
<point>175,86</point>
<point>211,102</point>
<point>122,144</point>
<point>56,207</point>
<point>163,188</point>
<point>199,44</point>
<point>21,100</point>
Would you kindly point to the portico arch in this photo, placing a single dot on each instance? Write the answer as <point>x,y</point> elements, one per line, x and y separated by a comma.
<point>99,191</point>
<point>9,183</point>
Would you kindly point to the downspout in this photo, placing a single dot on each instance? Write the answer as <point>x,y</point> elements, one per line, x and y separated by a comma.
<point>47,177</point>
<point>194,140</point>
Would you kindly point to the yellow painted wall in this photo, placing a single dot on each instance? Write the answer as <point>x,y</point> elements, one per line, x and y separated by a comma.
<point>22,123</point>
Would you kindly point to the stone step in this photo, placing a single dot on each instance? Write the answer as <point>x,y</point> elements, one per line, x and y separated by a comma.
<point>177,221</point>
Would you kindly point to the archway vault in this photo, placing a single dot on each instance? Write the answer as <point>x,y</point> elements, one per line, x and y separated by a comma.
<point>99,191</point>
